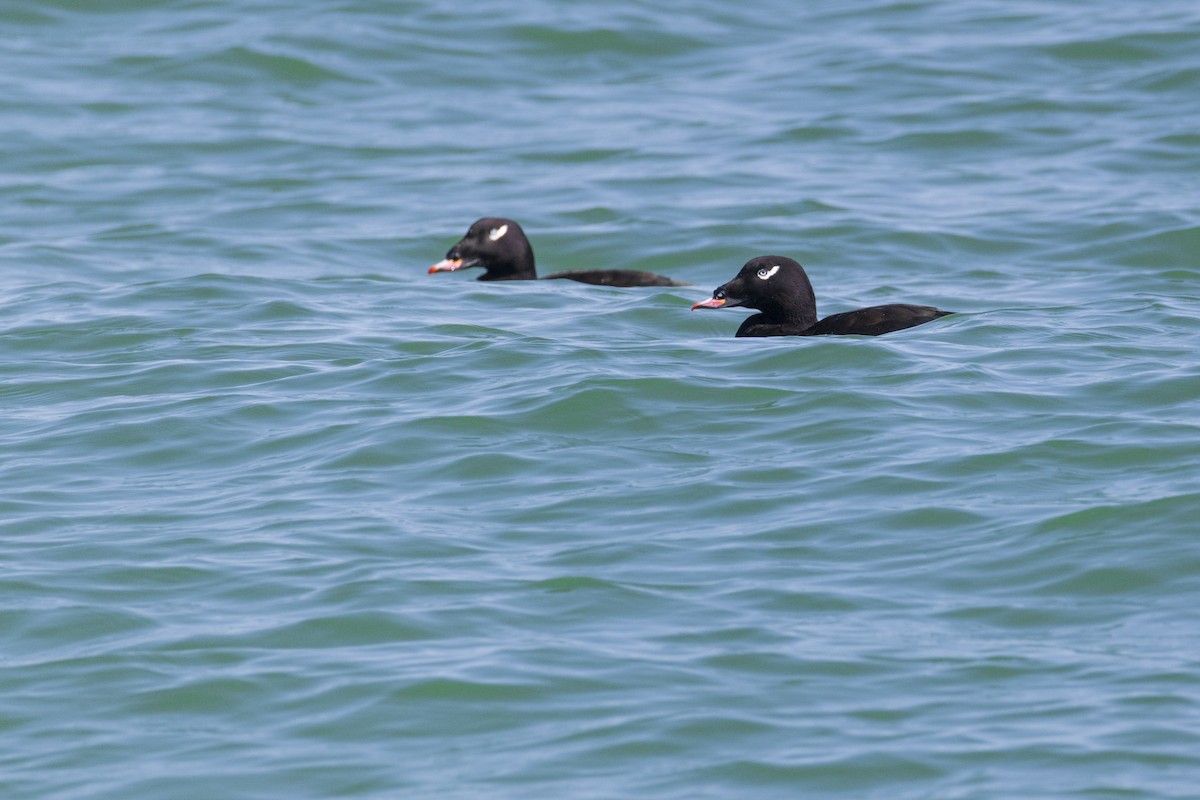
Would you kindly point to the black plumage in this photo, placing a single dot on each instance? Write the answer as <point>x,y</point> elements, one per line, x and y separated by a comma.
<point>779,289</point>
<point>500,247</point>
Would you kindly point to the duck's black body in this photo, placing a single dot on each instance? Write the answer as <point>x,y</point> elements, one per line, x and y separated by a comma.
<point>499,246</point>
<point>780,290</point>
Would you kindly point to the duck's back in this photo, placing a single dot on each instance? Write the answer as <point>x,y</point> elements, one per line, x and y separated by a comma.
<point>875,320</point>
<point>615,277</point>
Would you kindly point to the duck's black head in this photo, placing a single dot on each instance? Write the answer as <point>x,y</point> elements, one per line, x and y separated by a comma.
<point>496,244</point>
<point>775,285</point>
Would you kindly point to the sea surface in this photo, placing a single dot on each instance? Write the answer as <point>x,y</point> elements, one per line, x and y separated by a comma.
<point>284,516</point>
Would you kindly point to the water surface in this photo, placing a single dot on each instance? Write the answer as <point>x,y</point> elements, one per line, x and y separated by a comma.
<point>283,515</point>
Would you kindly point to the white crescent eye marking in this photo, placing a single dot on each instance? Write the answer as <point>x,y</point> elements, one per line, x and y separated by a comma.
<point>765,273</point>
<point>496,233</point>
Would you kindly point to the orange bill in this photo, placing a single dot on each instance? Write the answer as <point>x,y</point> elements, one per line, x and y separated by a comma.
<point>446,265</point>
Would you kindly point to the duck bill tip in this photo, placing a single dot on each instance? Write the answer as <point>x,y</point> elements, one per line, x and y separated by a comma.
<point>712,302</point>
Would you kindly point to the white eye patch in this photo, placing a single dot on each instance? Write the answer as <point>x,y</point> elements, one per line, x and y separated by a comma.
<point>765,273</point>
<point>497,233</point>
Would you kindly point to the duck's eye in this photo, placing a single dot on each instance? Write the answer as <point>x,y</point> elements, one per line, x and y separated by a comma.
<point>496,233</point>
<point>765,273</point>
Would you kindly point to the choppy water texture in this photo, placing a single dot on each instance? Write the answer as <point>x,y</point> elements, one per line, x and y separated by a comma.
<point>284,516</point>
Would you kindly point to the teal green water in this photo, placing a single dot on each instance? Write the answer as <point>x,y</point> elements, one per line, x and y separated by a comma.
<point>281,515</point>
